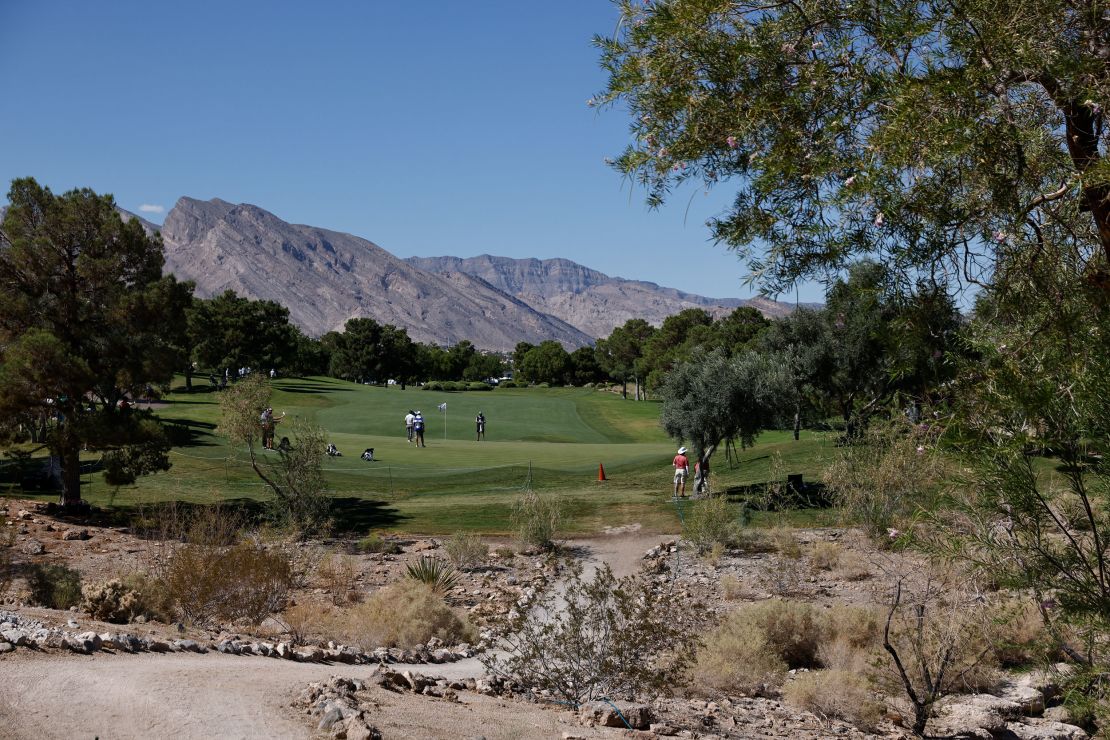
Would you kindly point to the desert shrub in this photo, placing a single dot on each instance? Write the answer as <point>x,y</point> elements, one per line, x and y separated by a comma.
<point>338,573</point>
<point>937,635</point>
<point>714,554</point>
<point>786,543</point>
<point>112,601</point>
<point>536,520</point>
<point>403,614</point>
<point>754,646</point>
<point>466,550</point>
<point>838,694</point>
<point>213,526</point>
<point>374,542</point>
<point>208,585</point>
<point>54,586</point>
<point>611,637</point>
<point>1019,636</point>
<point>732,588</point>
<point>825,555</point>
<point>155,602</point>
<point>505,553</point>
<point>714,521</point>
<point>7,559</point>
<point>883,478</point>
<point>738,657</point>
<point>306,622</point>
<point>853,567</point>
<point>434,573</point>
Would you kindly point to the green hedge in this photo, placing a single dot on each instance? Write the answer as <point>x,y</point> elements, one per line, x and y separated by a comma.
<point>457,385</point>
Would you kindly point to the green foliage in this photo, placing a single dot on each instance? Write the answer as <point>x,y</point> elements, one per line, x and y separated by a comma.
<point>375,543</point>
<point>924,134</point>
<point>230,331</point>
<point>296,478</point>
<point>613,638</point>
<point>548,363</point>
<point>892,473</point>
<point>714,398</point>
<point>454,386</point>
<point>54,586</point>
<point>434,573</point>
<point>537,519</point>
<point>714,521</point>
<point>86,318</point>
<point>367,350</point>
<point>621,353</point>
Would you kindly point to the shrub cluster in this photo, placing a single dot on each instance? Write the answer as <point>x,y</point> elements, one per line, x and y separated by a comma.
<point>536,520</point>
<point>208,585</point>
<point>54,586</point>
<point>457,385</point>
<point>466,550</point>
<point>120,601</point>
<point>714,521</point>
<point>374,542</point>
<point>403,614</point>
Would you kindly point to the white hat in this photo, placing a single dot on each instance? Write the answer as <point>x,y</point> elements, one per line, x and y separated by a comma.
<point>682,450</point>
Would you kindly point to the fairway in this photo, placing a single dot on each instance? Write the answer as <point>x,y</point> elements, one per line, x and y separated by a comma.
<point>549,440</point>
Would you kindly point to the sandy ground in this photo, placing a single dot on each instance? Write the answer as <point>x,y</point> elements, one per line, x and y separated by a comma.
<point>62,695</point>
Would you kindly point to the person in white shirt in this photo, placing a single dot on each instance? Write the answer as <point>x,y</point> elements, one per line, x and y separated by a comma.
<point>410,417</point>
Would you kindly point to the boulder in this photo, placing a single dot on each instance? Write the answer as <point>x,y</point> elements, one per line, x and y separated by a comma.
<point>75,534</point>
<point>1044,729</point>
<point>6,647</point>
<point>965,714</point>
<point>15,637</point>
<point>190,646</point>
<point>33,547</point>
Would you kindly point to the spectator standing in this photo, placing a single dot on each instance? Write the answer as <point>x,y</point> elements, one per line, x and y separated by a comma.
<point>480,425</point>
<point>681,470</point>
<point>410,417</point>
<point>418,429</point>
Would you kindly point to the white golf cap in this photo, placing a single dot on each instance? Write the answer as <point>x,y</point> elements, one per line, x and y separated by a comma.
<point>682,450</point>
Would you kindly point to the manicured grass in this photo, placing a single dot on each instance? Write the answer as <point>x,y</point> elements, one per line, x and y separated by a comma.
<point>551,440</point>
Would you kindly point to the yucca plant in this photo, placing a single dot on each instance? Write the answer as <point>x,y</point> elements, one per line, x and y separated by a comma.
<point>439,575</point>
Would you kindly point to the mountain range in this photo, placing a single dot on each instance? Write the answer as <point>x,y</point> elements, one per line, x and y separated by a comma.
<point>326,277</point>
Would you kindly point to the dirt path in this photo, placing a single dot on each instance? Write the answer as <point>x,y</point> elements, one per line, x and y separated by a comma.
<point>61,695</point>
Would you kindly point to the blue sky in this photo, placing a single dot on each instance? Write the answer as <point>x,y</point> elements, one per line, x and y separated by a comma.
<point>430,128</point>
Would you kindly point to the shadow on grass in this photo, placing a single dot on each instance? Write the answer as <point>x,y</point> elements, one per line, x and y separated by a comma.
<point>359,515</point>
<point>189,433</point>
<point>805,496</point>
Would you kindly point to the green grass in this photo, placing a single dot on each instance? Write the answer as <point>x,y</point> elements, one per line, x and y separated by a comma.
<point>550,439</point>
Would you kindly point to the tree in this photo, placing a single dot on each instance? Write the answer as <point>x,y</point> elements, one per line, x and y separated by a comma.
<point>86,321</point>
<point>584,367</point>
<point>734,331</point>
<point>367,350</point>
<point>297,478</point>
<point>230,331</point>
<point>672,342</point>
<point>934,135</point>
<point>546,363</point>
<point>621,353</point>
<point>483,365</point>
<point>805,338</point>
<point>714,398</point>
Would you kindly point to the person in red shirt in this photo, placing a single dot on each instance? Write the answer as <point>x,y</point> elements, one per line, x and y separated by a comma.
<point>681,470</point>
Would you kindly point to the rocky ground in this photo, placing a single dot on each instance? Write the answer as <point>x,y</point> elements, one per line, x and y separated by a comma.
<point>142,680</point>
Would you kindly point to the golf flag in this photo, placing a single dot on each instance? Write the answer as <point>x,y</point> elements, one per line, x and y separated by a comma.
<point>443,406</point>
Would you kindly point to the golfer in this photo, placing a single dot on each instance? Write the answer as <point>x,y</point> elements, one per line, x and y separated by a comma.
<point>681,470</point>
<point>410,417</point>
<point>480,425</point>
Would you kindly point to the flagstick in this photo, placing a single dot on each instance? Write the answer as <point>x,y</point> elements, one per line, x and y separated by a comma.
<point>445,424</point>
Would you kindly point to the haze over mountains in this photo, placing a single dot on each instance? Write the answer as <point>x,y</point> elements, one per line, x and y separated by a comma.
<point>326,277</point>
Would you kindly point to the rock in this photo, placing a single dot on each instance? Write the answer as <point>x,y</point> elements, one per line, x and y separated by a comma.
<point>662,728</point>
<point>190,646</point>
<point>284,650</point>
<point>1043,729</point>
<point>15,637</point>
<point>330,717</point>
<point>157,646</point>
<point>75,534</point>
<point>6,647</point>
<point>978,712</point>
<point>357,729</point>
<point>33,547</point>
<point>1028,697</point>
<point>638,716</point>
<point>92,638</point>
<point>1059,714</point>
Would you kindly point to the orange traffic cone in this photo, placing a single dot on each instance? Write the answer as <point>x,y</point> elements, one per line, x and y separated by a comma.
<point>601,472</point>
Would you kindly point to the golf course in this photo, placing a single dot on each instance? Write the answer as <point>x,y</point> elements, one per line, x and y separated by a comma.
<point>551,440</point>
